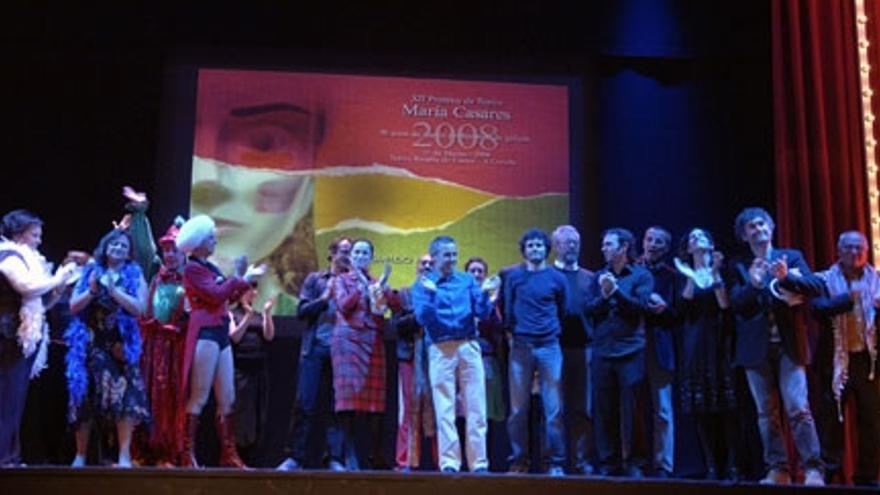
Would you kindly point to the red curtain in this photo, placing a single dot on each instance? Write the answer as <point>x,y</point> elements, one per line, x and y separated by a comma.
<point>820,178</point>
<point>819,154</point>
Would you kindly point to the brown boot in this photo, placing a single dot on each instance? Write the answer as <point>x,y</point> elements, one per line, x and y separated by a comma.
<point>188,456</point>
<point>228,452</point>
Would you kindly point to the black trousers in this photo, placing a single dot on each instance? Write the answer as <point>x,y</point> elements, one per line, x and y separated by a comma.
<point>867,398</point>
<point>313,408</point>
<point>14,380</point>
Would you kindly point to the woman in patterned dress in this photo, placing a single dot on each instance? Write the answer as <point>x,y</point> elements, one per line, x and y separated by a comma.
<point>104,341</point>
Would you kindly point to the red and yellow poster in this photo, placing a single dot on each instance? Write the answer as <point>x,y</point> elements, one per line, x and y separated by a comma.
<point>285,162</point>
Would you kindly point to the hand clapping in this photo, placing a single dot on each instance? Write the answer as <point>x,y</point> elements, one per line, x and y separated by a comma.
<point>717,262</point>
<point>428,284</point>
<point>758,271</point>
<point>779,268</point>
<point>267,306</point>
<point>608,283</point>
<point>656,304</point>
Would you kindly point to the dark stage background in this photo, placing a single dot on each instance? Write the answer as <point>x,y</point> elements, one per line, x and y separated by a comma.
<point>676,101</point>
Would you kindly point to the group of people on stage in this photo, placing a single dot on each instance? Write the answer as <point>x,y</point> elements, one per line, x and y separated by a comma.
<point>150,354</point>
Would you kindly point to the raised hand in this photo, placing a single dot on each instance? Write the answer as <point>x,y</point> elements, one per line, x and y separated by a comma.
<point>130,194</point>
<point>386,272</point>
<point>254,273</point>
<point>267,306</point>
<point>123,222</point>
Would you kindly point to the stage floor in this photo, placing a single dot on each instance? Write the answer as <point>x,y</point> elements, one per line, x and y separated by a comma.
<point>152,481</point>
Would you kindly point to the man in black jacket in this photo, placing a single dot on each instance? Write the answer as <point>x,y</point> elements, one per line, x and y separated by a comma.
<point>314,390</point>
<point>770,287</point>
<point>617,300</point>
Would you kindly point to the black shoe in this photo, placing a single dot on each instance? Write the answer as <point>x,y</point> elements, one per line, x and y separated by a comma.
<point>605,471</point>
<point>518,468</point>
<point>584,468</point>
<point>732,474</point>
<point>449,469</point>
<point>633,472</point>
<point>481,470</point>
<point>661,474</point>
<point>865,482</point>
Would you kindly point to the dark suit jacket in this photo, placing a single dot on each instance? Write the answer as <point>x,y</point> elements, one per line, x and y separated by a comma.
<point>659,327</point>
<point>755,310</point>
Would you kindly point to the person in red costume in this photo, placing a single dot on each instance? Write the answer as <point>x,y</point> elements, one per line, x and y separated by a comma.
<point>208,355</point>
<point>357,350</point>
<point>163,328</point>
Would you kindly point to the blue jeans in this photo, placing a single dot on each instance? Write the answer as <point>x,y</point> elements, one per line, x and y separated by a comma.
<point>660,385</point>
<point>313,407</point>
<point>577,393</point>
<point>615,382</point>
<point>525,360</point>
<point>779,375</point>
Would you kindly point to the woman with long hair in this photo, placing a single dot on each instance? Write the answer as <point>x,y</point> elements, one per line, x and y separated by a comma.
<point>706,381</point>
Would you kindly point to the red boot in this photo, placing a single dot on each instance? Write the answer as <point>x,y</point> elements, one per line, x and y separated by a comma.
<point>228,452</point>
<point>188,456</point>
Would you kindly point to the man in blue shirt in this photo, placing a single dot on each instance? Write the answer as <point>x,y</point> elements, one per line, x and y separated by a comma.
<point>535,300</point>
<point>447,303</point>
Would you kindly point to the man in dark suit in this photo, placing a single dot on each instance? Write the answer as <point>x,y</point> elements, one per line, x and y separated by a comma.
<point>659,347</point>
<point>770,287</point>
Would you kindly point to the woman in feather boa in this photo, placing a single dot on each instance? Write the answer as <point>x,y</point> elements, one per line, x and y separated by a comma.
<point>25,279</point>
<point>104,346</point>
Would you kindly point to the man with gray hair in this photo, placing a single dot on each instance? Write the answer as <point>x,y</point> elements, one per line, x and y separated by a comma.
<point>576,351</point>
<point>846,356</point>
<point>447,303</point>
